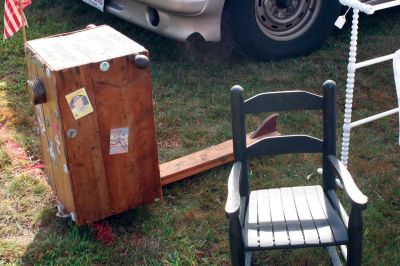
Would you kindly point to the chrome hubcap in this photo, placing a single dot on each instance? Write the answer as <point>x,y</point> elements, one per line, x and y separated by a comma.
<point>285,20</point>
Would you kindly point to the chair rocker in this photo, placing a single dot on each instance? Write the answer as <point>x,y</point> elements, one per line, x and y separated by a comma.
<point>291,217</point>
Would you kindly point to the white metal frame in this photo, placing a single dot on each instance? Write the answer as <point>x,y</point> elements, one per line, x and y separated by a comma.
<point>353,66</point>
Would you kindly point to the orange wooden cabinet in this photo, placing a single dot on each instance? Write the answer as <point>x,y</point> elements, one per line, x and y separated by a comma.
<point>91,91</point>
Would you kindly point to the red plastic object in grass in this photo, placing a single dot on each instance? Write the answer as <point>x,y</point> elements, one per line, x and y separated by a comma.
<point>103,232</point>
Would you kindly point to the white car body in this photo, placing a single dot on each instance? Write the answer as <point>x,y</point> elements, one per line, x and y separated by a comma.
<point>262,29</point>
<point>177,19</point>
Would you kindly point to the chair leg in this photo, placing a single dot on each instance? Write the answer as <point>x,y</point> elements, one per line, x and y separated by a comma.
<point>355,237</point>
<point>335,260</point>
<point>247,260</point>
<point>236,242</point>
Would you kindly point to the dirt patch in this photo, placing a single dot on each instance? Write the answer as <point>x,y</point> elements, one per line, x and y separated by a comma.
<point>19,158</point>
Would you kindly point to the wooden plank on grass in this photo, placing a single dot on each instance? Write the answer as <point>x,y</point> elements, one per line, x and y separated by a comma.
<point>200,161</point>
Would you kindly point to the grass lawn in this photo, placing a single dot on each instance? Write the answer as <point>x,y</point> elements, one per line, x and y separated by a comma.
<point>191,94</point>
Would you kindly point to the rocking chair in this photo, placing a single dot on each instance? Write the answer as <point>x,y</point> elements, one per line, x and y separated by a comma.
<point>291,217</point>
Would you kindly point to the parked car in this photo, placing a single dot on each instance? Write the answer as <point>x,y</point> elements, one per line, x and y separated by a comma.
<point>262,29</point>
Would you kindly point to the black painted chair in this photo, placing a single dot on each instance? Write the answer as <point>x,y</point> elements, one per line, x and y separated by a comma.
<point>291,217</point>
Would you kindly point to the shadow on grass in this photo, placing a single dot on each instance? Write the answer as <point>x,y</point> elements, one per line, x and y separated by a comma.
<point>187,227</point>
<point>60,242</point>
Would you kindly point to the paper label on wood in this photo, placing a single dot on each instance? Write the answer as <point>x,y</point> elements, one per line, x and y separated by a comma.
<point>51,150</point>
<point>119,140</point>
<point>58,144</point>
<point>40,119</point>
<point>79,103</point>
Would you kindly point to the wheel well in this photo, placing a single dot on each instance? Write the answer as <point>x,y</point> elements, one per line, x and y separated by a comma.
<point>226,4</point>
<point>226,25</point>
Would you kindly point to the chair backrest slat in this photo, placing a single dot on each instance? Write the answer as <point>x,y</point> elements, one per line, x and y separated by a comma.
<point>283,101</point>
<point>284,145</point>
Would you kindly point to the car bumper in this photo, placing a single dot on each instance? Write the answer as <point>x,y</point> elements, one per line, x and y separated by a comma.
<point>177,19</point>
<point>186,7</point>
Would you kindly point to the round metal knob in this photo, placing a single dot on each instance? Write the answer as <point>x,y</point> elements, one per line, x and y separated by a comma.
<point>141,61</point>
<point>71,133</point>
<point>36,91</point>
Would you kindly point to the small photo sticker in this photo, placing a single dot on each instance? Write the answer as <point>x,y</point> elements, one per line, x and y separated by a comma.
<point>119,140</point>
<point>79,103</point>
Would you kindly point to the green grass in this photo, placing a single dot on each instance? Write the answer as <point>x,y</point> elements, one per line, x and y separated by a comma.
<point>191,94</point>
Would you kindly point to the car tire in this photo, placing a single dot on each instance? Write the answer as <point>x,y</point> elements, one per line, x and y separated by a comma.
<point>276,29</point>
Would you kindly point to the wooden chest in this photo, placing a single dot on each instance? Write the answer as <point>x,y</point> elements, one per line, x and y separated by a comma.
<point>92,98</point>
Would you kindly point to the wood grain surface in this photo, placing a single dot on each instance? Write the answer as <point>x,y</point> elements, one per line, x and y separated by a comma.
<point>90,181</point>
<point>201,161</point>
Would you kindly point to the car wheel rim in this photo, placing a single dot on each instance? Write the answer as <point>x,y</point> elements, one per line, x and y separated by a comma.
<point>285,20</point>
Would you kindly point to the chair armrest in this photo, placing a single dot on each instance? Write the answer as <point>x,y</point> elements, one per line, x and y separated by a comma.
<point>354,193</point>
<point>232,206</point>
